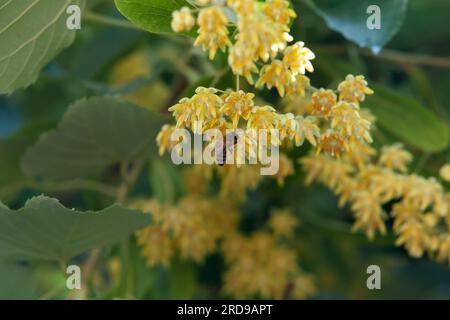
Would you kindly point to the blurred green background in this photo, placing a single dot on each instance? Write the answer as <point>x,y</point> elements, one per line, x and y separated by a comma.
<point>156,70</point>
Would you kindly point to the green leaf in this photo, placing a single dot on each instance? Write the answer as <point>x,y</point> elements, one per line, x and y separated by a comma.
<point>94,134</point>
<point>350,19</point>
<point>182,273</point>
<point>32,33</point>
<point>408,120</point>
<point>12,150</point>
<point>17,282</point>
<point>151,15</point>
<point>46,230</point>
<point>431,16</point>
<point>165,180</point>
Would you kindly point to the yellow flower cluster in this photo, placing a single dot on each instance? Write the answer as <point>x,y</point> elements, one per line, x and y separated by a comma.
<point>211,108</point>
<point>334,126</point>
<point>287,75</point>
<point>262,32</point>
<point>182,20</point>
<point>260,266</point>
<point>283,223</point>
<point>347,129</point>
<point>262,36</point>
<point>235,181</point>
<point>192,228</point>
<point>213,30</point>
<point>420,206</point>
<point>334,123</point>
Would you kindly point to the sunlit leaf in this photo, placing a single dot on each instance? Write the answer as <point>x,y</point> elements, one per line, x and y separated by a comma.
<point>151,15</point>
<point>94,134</point>
<point>16,282</point>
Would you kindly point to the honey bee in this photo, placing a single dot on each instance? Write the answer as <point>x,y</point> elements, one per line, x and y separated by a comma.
<point>224,146</point>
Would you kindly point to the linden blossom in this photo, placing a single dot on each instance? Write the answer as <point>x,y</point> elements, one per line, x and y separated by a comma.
<point>251,145</point>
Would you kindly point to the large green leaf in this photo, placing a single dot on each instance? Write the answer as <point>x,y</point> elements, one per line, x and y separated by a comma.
<point>165,181</point>
<point>46,230</point>
<point>409,121</point>
<point>17,282</point>
<point>12,150</point>
<point>32,33</point>
<point>349,17</point>
<point>432,16</point>
<point>151,15</point>
<point>94,134</point>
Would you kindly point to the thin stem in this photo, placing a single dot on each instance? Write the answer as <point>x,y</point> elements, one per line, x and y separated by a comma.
<point>407,58</point>
<point>130,274</point>
<point>237,83</point>
<point>130,176</point>
<point>422,162</point>
<point>219,76</point>
<point>404,58</point>
<point>89,269</point>
<point>108,21</point>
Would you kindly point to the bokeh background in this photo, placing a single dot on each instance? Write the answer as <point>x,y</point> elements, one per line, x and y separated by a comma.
<point>154,71</point>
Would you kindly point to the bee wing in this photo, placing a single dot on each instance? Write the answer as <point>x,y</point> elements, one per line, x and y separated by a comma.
<point>220,145</point>
<point>231,139</point>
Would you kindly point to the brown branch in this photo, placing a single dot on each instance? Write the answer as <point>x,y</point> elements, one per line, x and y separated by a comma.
<point>403,58</point>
